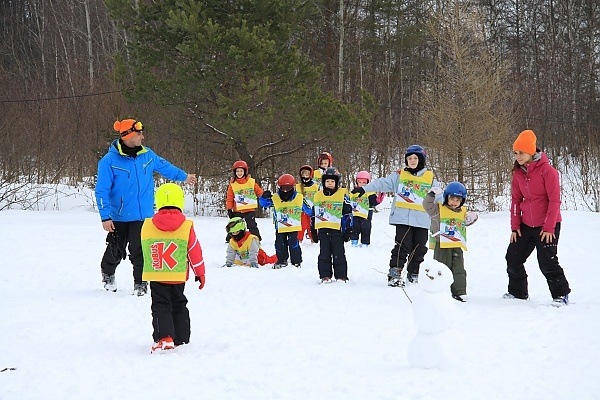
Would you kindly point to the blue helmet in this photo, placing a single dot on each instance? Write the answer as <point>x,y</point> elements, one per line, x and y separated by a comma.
<point>419,151</point>
<point>455,189</point>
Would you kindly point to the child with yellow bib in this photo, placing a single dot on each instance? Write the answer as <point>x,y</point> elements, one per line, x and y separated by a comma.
<point>170,248</point>
<point>242,197</point>
<point>449,220</point>
<point>331,225</point>
<point>362,211</point>
<point>410,184</point>
<point>287,205</point>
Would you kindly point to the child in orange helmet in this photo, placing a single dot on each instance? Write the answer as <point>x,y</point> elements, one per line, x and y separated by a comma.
<point>242,197</point>
<point>308,188</point>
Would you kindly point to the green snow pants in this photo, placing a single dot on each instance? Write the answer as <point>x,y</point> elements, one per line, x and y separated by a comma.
<point>453,259</point>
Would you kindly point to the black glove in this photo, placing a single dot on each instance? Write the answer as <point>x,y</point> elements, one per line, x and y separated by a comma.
<point>230,213</point>
<point>267,194</point>
<point>314,235</point>
<point>116,249</point>
<point>347,235</point>
<point>358,190</point>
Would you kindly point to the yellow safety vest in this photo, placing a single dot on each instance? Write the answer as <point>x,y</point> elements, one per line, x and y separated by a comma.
<point>453,230</point>
<point>244,196</point>
<point>328,210</point>
<point>308,192</point>
<point>288,214</point>
<point>412,190</point>
<point>165,253</point>
<point>360,205</point>
<point>242,253</point>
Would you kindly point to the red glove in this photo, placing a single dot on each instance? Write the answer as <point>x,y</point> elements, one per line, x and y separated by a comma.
<point>202,280</point>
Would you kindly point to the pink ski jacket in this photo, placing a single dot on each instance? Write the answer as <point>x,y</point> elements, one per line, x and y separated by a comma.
<point>535,195</point>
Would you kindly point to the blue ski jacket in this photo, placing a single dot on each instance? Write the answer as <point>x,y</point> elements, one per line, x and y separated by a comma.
<point>125,185</point>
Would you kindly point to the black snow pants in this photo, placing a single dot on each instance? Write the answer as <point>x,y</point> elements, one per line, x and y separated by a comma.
<point>519,251</point>
<point>411,245</point>
<point>332,255</point>
<point>127,233</point>
<point>170,315</point>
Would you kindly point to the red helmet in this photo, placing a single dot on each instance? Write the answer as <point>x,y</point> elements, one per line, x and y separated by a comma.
<point>286,180</point>
<point>308,167</point>
<point>240,164</point>
<point>324,155</point>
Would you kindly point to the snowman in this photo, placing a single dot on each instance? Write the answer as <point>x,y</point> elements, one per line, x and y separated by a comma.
<point>433,312</point>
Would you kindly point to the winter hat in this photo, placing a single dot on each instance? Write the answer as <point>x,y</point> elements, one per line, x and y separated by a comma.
<point>525,142</point>
<point>419,151</point>
<point>127,127</point>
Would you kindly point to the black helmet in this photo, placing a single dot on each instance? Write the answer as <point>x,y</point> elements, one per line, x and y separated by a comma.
<point>331,173</point>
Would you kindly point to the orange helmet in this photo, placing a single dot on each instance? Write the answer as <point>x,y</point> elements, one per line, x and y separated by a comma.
<point>324,155</point>
<point>240,164</point>
<point>308,167</point>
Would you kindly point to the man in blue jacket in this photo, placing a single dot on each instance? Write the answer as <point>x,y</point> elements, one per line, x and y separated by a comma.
<point>125,197</point>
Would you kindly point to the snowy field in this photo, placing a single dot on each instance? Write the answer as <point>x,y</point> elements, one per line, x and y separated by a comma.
<point>277,334</point>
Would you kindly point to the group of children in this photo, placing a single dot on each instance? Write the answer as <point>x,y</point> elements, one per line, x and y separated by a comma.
<point>316,208</point>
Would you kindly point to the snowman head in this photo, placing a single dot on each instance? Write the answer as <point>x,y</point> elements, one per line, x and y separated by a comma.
<point>435,277</point>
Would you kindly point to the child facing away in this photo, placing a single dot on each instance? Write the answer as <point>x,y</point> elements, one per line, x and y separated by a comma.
<point>324,161</point>
<point>308,188</point>
<point>411,184</point>
<point>287,205</point>
<point>242,197</point>
<point>449,219</point>
<point>331,225</point>
<point>362,211</point>
<point>170,248</point>
<point>244,248</point>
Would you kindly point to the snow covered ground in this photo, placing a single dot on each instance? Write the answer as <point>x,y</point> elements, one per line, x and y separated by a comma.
<point>278,334</point>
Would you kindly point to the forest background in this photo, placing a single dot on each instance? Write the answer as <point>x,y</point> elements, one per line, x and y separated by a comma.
<point>276,82</point>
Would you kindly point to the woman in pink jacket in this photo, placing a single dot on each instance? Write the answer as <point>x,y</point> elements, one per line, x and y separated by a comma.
<point>535,221</point>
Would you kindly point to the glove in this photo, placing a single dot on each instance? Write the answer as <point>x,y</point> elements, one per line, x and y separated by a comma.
<point>315,236</point>
<point>470,218</point>
<point>267,194</point>
<point>358,190</point>
<point>436,190</point>
<point>347,235</point>
<point>230,213</point>
<point>253,265</point>
<point>228,265</point>
<point>116,249</point>
<point>200,279</point>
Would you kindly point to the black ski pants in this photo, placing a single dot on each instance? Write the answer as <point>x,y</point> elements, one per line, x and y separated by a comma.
<point>521,249</point>
<point>361,226</point>
<point>332,255</point>
<point>287,245</point>
<point>411,245</point>
<point>170,315</point>
<point>127,233</point>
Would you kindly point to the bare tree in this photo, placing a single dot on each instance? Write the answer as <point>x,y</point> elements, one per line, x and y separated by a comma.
<point>466,112</point>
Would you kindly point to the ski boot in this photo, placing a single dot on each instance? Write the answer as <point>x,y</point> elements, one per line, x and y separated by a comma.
<point>394,278</point>
<point>110,284</point>
<point>140,289</point>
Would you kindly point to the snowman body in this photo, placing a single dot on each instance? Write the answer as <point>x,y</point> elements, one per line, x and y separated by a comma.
<point>434,312</point>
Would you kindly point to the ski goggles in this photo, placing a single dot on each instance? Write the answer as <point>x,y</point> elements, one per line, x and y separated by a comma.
<point>286,188</point>
<point>136,127</point>
<point>235,225</point>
